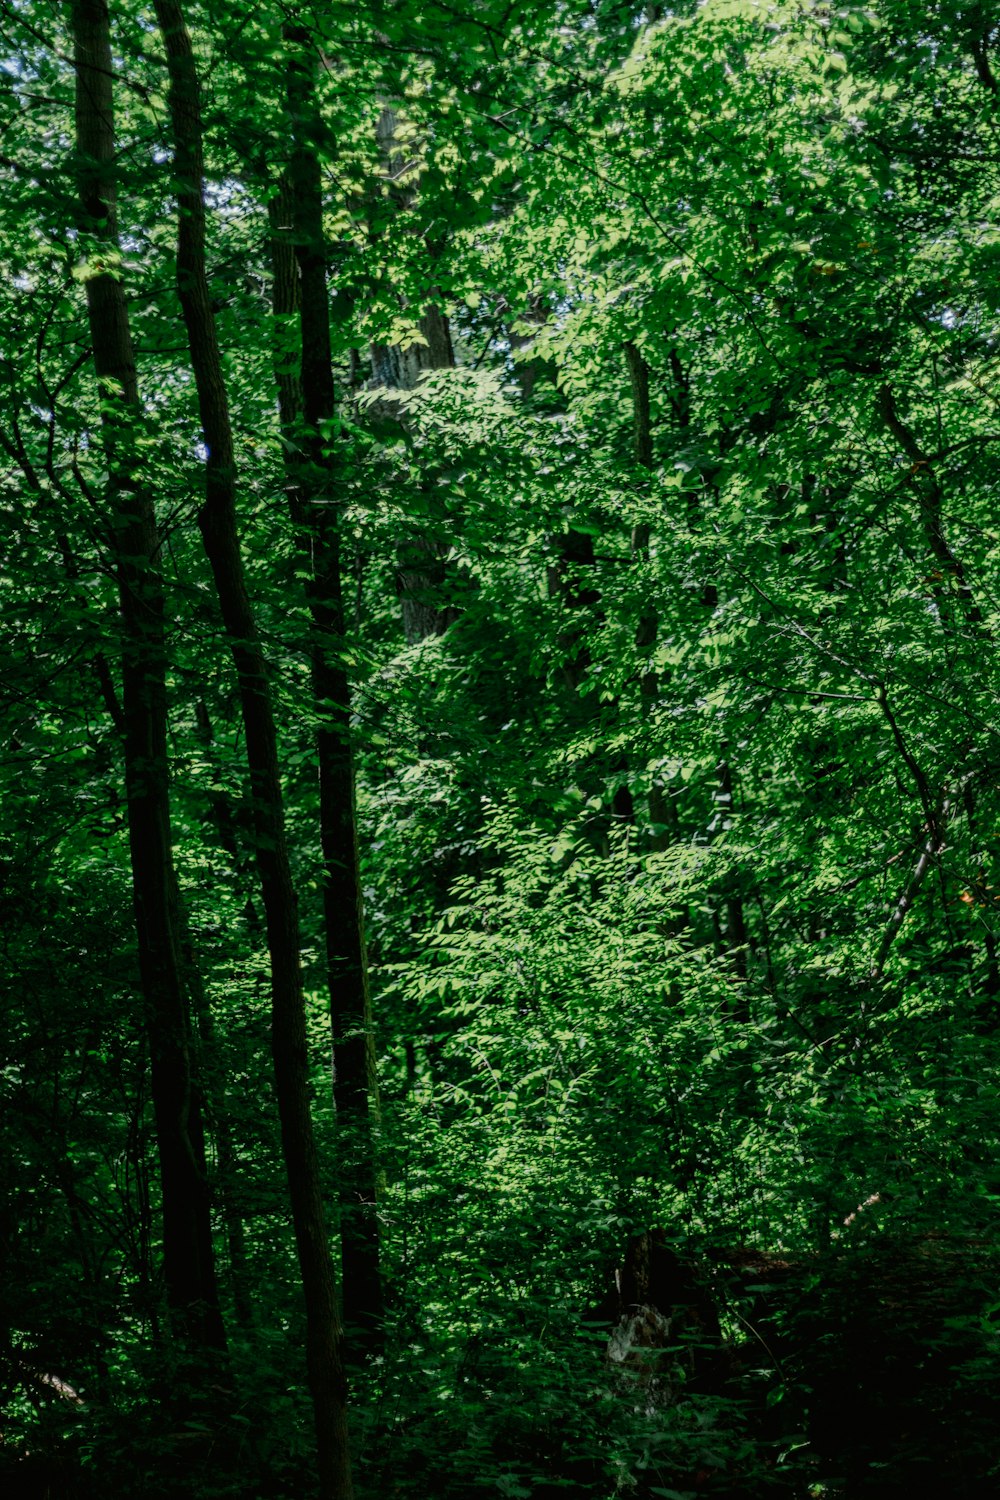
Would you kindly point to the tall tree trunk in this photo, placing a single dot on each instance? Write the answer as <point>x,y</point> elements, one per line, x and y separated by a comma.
<point>732,918</point>
<point>423,578</point>
<point>216,1111</point>
<point>189,1268</point>
<point>217,523</point>
<point>568,582</point>
<point>317,513</point>
<point>661,812</point>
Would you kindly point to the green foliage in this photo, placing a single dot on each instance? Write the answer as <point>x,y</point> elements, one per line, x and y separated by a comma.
<point>679,836</point>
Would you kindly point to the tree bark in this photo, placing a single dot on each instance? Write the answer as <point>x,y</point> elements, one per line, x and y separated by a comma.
<point>661,813</point>
<point>217,523</point>
<point>924,480</point>
<point>422,574</point>
<point>189,1267</point>
<point>317,515</point>
<point>568,582</point>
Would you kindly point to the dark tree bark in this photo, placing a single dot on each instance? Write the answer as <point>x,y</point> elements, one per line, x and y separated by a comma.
<point>317,514</point>
<point>732,923</point>
<point>926,484</point>
<point>642,422</point>
<point>731,919</point>
<point>217,523</point>
<point>568,582</point>
<point>423,579</point>
<point>189,1268</point>
<point>661,812</point>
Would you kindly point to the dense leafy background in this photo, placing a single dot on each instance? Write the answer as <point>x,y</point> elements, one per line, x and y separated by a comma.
<point>679,854</point>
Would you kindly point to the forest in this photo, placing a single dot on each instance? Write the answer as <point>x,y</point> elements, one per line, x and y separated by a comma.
<point>500,833</point>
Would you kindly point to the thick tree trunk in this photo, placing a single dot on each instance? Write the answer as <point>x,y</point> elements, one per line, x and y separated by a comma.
<point>316,511</point>
<point>217,522</point>
<point>189,1269</point>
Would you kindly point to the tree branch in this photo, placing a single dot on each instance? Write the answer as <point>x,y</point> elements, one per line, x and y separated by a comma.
<point>933,847</point>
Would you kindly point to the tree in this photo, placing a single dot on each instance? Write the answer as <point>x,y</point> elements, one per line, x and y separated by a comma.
<point>189,1270</point>
<point>318,515</point>
<point>675,839</point>
<point>217,523</point>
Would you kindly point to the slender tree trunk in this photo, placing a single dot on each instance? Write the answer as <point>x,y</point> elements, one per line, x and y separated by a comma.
<point>731,921</point>
<point>217,523</point>
<point>926,484</point>
<point>424,581</point>
<point>189,1269</point>
<point>568,582</point>
<point>316,512</point>
<point>216,1113</point>
<point>660,809</point>
<point>733,927</point>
